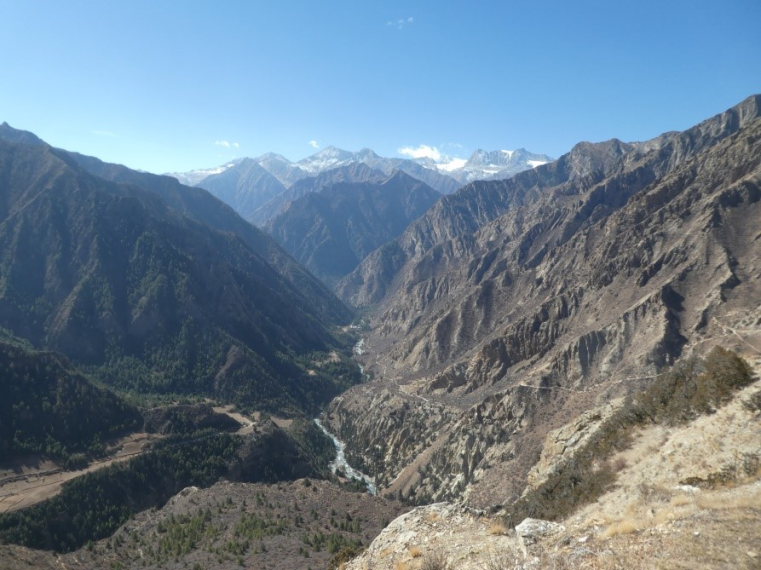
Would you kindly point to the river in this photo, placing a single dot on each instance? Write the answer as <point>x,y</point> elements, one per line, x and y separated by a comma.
<point>340,461</point>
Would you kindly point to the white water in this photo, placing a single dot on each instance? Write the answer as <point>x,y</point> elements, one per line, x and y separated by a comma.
<point>340,462</point>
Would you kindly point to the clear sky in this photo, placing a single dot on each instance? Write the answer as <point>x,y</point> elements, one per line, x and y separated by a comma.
<point>176,85</point>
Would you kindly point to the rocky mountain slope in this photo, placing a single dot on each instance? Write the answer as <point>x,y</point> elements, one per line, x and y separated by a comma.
<point>511,307</point>
<point>199,206</point>
<point>332,230</point>
<point>245,186</point>
<point>355,172</point>
<point>675,492</point>
<point>116,277</point>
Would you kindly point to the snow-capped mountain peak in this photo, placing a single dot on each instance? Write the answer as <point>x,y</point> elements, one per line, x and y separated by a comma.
<point>193,177</point>
<point>325,159</point>
<point>441,172</point>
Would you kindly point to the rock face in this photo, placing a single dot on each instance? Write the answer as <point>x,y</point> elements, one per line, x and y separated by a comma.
<point>332,230</point>
<point>515,305</point>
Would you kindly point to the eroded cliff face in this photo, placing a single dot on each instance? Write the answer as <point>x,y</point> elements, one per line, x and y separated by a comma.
<point>513,306</point>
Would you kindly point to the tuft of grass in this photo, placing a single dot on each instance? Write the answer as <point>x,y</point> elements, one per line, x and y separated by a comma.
<point>415,552</point>
<point>663,516</point>
<point>626,526</point>
<point>435,561</point>
<point>681,500</point>
<point>503,560</point>
<point>498,528</point>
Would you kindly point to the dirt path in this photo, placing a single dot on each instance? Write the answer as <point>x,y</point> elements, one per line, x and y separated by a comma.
<point>247,424</point>
<point>33,479</point>
<point>28,485</point>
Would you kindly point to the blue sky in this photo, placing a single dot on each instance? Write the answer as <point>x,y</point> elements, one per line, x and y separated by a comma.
<point>165,85</point>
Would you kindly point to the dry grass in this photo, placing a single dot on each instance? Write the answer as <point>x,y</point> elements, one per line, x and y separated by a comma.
<point>619,464</point>
<point>401,566</point>
<point>663,516</point>
<point>625,526</point>
<point>498,528</point>
<point>415,552</point>
<point>503,560</point>
<point>723,501</point>
<point>435,561</point>
<point>681,500</point>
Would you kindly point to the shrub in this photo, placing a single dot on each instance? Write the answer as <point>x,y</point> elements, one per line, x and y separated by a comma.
<point>435,561</point>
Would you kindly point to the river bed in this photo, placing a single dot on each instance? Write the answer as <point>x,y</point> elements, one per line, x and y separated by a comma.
<point>340,462</point>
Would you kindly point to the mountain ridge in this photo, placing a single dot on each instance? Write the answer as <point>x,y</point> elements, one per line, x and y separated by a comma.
<point>510,306</point>
<point>112,276</point>
<point>332,229</point>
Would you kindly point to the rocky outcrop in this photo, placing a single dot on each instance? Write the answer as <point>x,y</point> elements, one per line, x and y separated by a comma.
<point>453,535</point>
<point>646,510</point>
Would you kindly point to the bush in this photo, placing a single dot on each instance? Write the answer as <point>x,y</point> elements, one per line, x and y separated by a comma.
<point>435,561</point>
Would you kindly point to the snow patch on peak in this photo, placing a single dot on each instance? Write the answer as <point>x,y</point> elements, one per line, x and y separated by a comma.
<point>195,176</point>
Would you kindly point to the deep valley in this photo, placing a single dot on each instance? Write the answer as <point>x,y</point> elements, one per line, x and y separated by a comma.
<point>534,363</point>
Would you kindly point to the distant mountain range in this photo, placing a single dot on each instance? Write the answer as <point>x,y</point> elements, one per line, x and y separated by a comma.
<point>248,184</point>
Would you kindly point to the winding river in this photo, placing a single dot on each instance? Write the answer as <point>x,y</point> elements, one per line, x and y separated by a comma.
<point>340,462</point>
